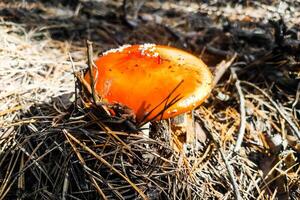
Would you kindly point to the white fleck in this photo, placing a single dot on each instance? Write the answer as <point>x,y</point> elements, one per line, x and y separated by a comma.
<point>119,49</point>
<point>148,49</point>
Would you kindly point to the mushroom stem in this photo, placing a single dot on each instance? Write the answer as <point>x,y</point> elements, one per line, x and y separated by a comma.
<point>145,129</point>
<point>183,127</point>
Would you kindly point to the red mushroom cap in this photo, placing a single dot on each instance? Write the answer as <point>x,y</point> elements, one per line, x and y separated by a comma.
<point>152,78</point>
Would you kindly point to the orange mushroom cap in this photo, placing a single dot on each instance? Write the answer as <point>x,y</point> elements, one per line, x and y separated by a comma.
<point>152,78</point>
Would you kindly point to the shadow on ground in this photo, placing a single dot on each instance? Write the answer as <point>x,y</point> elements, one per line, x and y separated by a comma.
<point>62,153</point>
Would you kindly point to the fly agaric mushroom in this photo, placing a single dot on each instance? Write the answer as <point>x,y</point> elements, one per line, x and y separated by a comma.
<point>156,82</point>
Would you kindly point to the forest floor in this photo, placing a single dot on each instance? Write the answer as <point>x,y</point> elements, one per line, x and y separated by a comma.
<point>248,131</point>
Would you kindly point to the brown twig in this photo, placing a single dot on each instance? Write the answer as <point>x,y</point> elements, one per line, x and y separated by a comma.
<point>21,179</point>
<point>296,99</point>
<point>221,68</point>
<point>242,127</point>
<point>75,79</point>
<point>92,68</point>
<point>235,186</point>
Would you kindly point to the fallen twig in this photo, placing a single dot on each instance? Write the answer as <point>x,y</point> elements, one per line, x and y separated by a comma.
<point>296,99</point>
<point>92,68</point>
<point>235,186</point>
<point>221,68</point>
<point>242,127</point>
<point>75,80</point>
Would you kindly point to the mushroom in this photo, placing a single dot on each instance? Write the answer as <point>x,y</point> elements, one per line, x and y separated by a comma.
<point>156,82</point>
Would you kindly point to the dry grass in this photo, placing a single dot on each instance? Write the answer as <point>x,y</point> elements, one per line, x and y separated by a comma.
<point>52,148</point>
<point>34,68</point>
